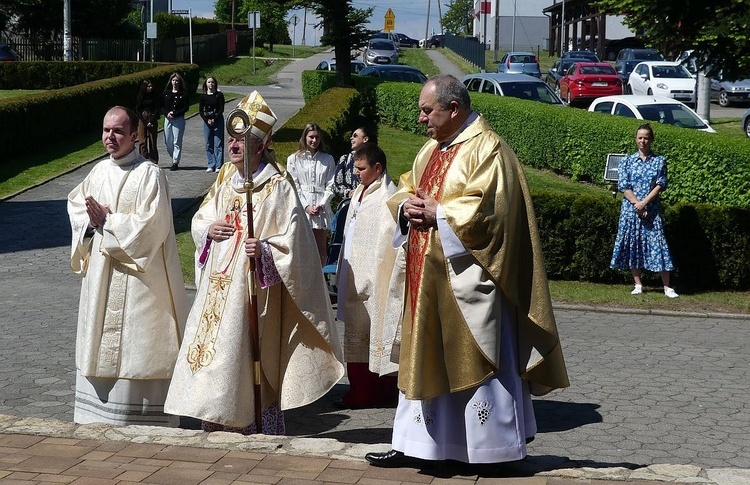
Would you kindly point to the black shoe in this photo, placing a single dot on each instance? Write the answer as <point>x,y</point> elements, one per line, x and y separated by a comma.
<point>389,459</point>
<point>173,167</point>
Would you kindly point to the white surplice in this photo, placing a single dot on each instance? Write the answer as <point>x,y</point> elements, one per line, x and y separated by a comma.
<point>133,304</point>
<point>313,175</point>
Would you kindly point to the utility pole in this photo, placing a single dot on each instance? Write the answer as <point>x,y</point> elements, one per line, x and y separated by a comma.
<point>497,31</point>
<point>563,30</point>
<point>67,35</point>
<point>513,30</point>
<point>304,26</point>
<point>427,27</point>
<point>440,17</point>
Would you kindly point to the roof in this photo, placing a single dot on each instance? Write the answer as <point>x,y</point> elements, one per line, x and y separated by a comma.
<point>636,99</point>
<point>504,77</point>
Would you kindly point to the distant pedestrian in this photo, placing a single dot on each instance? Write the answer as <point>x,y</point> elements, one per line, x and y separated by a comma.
<point>133,305</point>
<point>368,304</point>
<point>175,104</point>
<point>211,108</point>
<point>640,242</point>
<point>313,172</point>
<point>148,107</point>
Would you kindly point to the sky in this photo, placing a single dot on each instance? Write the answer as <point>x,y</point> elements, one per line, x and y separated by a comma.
<point>411,17</point>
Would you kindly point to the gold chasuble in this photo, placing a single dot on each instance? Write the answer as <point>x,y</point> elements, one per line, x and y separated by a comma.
<point>445,348</point>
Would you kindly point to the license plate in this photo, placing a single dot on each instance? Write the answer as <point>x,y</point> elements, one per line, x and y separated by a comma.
<point>599,84</point>
<point>682,96</point>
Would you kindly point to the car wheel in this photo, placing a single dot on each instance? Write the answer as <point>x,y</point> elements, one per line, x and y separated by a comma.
<point>628,89</point>
<point>747,127</point>
<point>568,97</point>
<point>557,91</point>
<point>723,99</point>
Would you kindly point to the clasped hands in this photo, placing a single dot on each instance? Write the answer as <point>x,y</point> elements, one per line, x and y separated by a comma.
<point>221,231</point>
<point>97,212</point>
<point>640,209</point>
<point>314,210</point>
<point>420,210</point>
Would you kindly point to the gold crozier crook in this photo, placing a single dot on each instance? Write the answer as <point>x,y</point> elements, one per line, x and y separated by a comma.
<point>237,116</point>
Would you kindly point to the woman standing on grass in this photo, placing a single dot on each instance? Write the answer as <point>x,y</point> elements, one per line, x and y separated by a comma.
<point>313,171</point>
<point>640,242</point>
<point>211,108</point>
<point>175,105</point>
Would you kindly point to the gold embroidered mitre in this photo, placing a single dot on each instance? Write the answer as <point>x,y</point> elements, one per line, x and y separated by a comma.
<point>261,116</point>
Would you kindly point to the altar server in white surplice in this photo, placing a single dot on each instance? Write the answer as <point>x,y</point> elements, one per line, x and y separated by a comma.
<point>368,304</point>
<point>133,304</point>
<point>300,351</point>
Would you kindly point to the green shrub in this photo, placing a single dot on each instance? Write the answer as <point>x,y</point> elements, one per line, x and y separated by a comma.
<point>77,109</point>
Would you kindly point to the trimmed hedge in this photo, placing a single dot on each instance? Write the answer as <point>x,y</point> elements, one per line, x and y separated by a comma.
<point>703,167</point>
<point>77,109</point>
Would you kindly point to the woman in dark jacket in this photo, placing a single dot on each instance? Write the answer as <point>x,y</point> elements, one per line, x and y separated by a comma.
<point>211,109</point>
<point>174,105</point>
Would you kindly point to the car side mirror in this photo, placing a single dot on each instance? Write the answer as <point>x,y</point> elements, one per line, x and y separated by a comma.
<point>644,77</point>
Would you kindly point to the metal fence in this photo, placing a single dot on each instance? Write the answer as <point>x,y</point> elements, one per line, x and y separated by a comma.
<point>469,49</point>
<point>206,48</point>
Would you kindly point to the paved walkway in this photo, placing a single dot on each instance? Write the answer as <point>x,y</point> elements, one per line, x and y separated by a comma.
<point>659,396</point>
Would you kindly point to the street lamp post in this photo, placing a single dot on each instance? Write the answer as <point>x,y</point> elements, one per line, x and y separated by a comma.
<point>294,20</point>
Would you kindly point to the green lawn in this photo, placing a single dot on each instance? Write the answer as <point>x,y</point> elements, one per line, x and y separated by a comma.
<point>13,93</point>
<point>418,58</point>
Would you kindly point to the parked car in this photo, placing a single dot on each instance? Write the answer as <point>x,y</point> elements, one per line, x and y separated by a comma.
<point>520,63</point>
<point>581,54</point>
<point>660,109</point>
<point>642,54</point>
<point>556,72</point>
<point>330,65</point>
<point>406,41</point>
<point>395,73</point>
<point>380,51</point>
<point>662,79</point>
<point>746,122</point>
<point>515,85</point>
<point>6,53</point>
<point>436,41</point>
<point>586,81</point>
<point>614,46</point>
<point>727,92</point>
<point>393,37</point>
<point>624,68</point>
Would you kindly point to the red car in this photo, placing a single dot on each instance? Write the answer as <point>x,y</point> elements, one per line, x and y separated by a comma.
<point>586,81</point>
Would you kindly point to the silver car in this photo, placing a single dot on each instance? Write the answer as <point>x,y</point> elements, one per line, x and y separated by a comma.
<point>727,92</point>
<point>514,85</point>
<point>520,63</point>
<point>379,52</point>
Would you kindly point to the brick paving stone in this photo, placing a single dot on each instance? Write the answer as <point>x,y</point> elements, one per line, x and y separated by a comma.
<point>516,481</point>
<point>294,463</point>
<point>185,453</point>
<point>45,464</point>
<point>177,476</point>
<point>140,450</point>
<point>61,441</point>
<point>224,476</point>
<point>120,459</point>
<point>19,441</point>
<point>133,476</point>
<point>22,476</point>
<point>97,455</point>
<point>67,451</point>
<point>50,478</point>
<point>340,475</point>
<point>296,474</point>
<point>231,465</point>
<point>256,477</point>
<point>86,470</point>
<point>378,481</point>
<point>93,481</point>
<point>245,455</point>
<point>151,462</point>
<point>400,474</point>
<point>216,481</point>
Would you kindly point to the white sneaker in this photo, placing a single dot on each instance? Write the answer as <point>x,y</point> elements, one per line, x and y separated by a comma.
<point>209,170</point>
<point>637,290</point>
<point>669,293</point>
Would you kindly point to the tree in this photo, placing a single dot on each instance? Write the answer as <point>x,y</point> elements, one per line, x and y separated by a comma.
<point>459,17</point>
<point>273,27</point>
<point>717,30</point>
<point>344,32</point>
<point>90,18</point>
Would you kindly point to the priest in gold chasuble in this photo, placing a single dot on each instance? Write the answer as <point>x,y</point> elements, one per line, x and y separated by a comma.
<point>300,351</point>
<point>478,335</point>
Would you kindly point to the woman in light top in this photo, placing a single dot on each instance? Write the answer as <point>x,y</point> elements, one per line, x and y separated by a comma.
<point>313,172</point>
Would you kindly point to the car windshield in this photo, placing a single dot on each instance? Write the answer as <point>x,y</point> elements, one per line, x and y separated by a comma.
<point>627,66</point>
<point>597,70</point>
<point>671,114</point>
<point>530,90</point>
<point>399,75</point>
<point>381,45</point>
<point>678,72</point>
<point>648,55</point>
<point>521,58</point>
